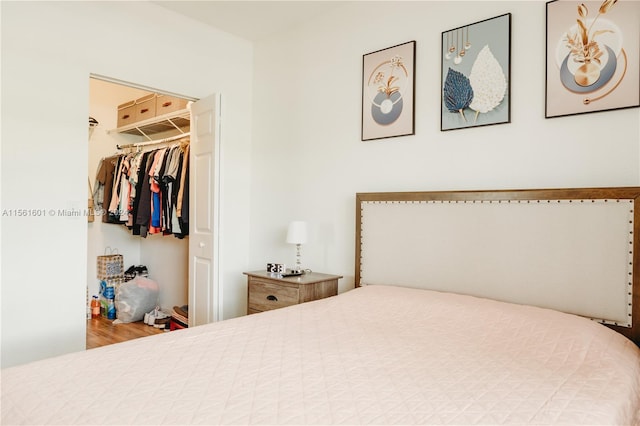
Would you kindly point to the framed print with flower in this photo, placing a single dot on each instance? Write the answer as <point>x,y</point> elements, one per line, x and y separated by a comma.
<point>592,56</point>
<point>476,68</point>
<point>388,102</point>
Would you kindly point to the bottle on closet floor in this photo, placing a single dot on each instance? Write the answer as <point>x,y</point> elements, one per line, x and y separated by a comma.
<point>95,307</point>
<point>107,300</point>
<point>111,309</point>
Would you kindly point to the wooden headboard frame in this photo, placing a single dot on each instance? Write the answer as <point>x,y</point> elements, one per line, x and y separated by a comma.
<point>632,194</point>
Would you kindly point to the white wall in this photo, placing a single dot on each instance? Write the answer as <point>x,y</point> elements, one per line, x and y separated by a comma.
<point>308,158</point>
<point>48,51</point>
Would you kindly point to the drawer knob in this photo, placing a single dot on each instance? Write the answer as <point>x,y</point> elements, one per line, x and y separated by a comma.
<point>272,297</point>
<point>143,110</point>
<point>166,104</point>
<point>124,117</point>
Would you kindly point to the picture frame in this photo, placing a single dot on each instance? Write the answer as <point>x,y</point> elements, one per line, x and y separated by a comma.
<point>388,92</point>
<point>603,77</point>
<point>476,74</point>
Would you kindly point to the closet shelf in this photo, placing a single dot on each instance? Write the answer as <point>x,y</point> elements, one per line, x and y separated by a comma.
<point>177,120</point>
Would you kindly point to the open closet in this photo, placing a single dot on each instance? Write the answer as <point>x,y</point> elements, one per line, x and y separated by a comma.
<point>170,225</point>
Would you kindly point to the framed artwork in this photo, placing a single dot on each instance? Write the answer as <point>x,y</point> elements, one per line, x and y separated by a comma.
<point>592,56</point>
<point>388,97</point>
<point>476,68</point>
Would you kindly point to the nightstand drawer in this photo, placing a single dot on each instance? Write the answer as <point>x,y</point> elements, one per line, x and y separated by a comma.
<point>264,295</point>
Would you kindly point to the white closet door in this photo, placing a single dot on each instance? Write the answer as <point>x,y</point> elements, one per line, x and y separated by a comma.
<point>204,193</point>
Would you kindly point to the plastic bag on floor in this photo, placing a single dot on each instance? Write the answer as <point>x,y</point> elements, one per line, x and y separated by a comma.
<point>136,297</point>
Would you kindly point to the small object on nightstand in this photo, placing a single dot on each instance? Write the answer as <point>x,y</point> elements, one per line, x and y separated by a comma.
<point>267,291</point>
<point>291,273</point>
<point>276,267</point>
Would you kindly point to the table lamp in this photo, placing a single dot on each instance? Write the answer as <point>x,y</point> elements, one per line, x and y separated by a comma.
<point>297,234</point>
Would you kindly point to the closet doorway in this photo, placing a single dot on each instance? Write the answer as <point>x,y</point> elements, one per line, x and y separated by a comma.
<point>185,267</point>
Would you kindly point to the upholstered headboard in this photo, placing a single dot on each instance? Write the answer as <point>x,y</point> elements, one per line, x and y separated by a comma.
<point>572,250</point>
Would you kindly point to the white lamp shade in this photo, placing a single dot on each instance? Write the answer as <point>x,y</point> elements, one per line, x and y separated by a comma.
<point>297,232</point>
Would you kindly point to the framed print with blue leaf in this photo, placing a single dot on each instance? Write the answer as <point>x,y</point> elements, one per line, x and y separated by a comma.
<point>388,101</point>
<point>592,56</point>
<point>476,68</point>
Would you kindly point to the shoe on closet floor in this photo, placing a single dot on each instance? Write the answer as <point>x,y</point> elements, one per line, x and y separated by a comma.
<point>162,323</point>
<point>149,317</point>
<point>142,271</point>
<point>136,271</point>
<point>159,318</point>
<point>156,316</point>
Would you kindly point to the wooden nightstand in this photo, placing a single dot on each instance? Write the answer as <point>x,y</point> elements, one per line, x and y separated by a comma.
<point>267,291</point>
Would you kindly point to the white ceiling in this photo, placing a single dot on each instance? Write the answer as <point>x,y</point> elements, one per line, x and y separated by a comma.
<point>251,20</point>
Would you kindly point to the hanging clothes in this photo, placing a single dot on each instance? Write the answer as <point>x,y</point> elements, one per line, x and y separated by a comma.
<point>182,201</point>
<point>135,218</point>
<point>134,173</point>
<point>143,216</point>
<point>156,194</point>
<point>145,190</point>
<point>125,190</point>
<point>168,180</point>
<point>104,184</point>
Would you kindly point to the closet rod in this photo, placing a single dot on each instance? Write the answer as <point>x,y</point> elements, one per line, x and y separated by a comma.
<point>165,140</point>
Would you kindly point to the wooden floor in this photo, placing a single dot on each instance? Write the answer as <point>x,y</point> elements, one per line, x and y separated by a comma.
<point>102,331</point>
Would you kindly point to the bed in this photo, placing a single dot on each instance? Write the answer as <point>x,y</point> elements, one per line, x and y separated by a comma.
<point>407,345</point>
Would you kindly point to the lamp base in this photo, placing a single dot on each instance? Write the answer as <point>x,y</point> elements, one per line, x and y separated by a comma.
<point>298,267</point>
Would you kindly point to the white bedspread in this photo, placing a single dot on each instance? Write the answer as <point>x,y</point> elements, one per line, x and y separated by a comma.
<point>374,355</point>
